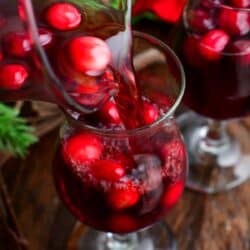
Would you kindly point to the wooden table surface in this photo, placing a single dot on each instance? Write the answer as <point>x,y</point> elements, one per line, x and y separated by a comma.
<point>200,222</point>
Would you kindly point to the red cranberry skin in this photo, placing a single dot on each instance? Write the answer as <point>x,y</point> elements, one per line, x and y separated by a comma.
<point>13,76</point>
<point>109,113</point>
<point>19,44</point>
<point>150,112</point>
<point>119,199</point>
<point>108,170</point>
<point>89,55</point>
<point>234,22</point>
<point>81,149</point>
<point>240,3</point>
<point>201,21</point>
<point>212,44</point>
<point>241,49</point>
<point>63,16</point>
<point>190,51</point>
<point>172,194</point>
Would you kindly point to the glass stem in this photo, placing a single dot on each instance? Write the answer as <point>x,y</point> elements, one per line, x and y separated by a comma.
<point>121,242</point>
<point>216,139</point>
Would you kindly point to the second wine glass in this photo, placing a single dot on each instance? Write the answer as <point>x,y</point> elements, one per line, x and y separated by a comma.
<point>213,41</point>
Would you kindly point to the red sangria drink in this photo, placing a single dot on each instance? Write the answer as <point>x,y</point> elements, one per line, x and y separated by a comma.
<point>213,42</point>
<point>119,179</point>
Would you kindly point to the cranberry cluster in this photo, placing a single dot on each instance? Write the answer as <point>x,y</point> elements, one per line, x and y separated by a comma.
<point>218,27</point>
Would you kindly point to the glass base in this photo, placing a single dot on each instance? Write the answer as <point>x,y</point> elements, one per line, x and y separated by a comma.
<point>213,168</point>
<point>156,237</point>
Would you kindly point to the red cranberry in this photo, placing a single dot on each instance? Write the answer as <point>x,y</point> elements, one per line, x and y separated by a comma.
<point>89,55</point>
<point>212,44</point>
<point>81,149</point>
<point>150,112</point>
<point>19,44</point>
<point>108,170</point>
<point>122,198</point>
<point>190,48</point>
<point>109,113</point>
<point>122,223</point>
<point>241,51</point>
<point>240,3</point>
<point>172,194</point>
<point>13,76</point>
<point>234,22</point>
<point>201,20</point>
<point>63,16</point>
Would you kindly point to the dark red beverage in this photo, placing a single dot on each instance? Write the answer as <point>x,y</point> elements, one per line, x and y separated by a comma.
<point>215,49</point>
<point>120,182</point>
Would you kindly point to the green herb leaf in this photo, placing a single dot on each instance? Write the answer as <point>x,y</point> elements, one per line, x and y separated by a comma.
<point>15,135</point>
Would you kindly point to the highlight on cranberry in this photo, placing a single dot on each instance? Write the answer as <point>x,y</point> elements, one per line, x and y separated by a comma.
<point>201,20</point>
<point>81,149</point>
<point>88,54</point>
<point>234,22</point>
<point>13,76</point>
<point>213,43</point>
<point>63,16</point>
<point>240,3</point>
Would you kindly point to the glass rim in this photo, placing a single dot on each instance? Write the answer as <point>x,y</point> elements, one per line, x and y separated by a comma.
<point>226,6</point>
<point>168,115</point>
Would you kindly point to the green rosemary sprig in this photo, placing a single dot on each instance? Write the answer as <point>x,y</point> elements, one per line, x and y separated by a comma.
<point>15,134</point>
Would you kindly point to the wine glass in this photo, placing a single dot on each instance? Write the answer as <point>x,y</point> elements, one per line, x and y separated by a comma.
<point>213,41</point>
<point>122,181</point>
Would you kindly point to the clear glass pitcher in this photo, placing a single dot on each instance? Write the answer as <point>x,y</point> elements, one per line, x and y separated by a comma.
<point>33,66</point>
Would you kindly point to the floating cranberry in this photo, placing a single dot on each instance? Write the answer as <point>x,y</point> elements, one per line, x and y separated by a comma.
<point>122,198</point>
<point>201,20</point>
<point>240,3</point>
<point>109,113</point>
<point>81,149</point>
<point>89,55</point>
<point>241,51</point>
<point>190,48</point>
<point>150,112</point>
<point>108,170</point>
<point>19,44</point>
<point>172,194</point>
<point>16,44</point>
<point>63,16</point>
<point>234,22</point>
<point>13,76</point>
<point>122,223</point>
<point>212,44</point>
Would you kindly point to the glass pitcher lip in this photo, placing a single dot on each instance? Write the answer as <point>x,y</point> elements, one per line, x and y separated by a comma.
<point>167,116</point>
